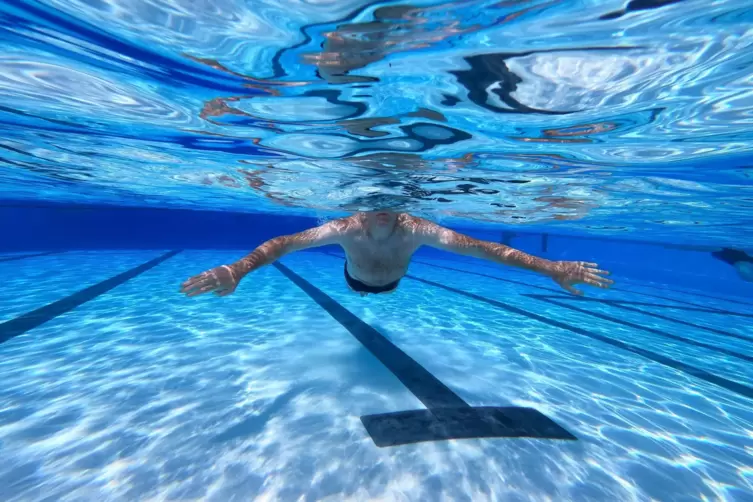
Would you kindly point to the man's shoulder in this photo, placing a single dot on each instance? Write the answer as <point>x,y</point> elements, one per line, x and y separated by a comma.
<point>418,226</point>
<point>345,225</point>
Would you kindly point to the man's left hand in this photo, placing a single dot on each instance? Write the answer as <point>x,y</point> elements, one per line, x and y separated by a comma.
<point>569,273</point>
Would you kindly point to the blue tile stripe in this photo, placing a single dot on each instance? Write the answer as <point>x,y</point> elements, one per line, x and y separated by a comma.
<point>23,256</point>
<point>30,320</point>
<point>730,385</point>
<point>647,329</point>
<point>425,386</point>
<point>447,415</point>
<point>543,288</point>
<point>630,307</point>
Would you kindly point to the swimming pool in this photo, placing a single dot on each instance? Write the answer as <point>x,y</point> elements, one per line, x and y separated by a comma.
<point>145,141</point>
<point>116,387</point>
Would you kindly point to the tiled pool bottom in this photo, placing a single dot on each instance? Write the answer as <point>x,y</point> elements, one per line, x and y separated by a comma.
<point>116,387</point>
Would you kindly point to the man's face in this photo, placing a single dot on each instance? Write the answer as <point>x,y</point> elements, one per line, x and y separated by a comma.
<point>381,218</point>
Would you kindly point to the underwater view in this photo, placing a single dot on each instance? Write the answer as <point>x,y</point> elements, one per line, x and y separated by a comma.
<point>330,250</point>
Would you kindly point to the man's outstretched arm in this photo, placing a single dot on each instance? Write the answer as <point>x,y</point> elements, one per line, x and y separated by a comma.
<point>565,273</point>
<point>224,279</point>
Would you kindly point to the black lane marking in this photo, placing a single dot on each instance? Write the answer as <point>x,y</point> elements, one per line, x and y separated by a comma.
<point>649,295</point>
<point>711,310</point>
<point>35,318</point>
<point>448,416</point>
<point>21,257</point>
<point>711,297</point>
<point>512,281</point>
<point>735,387</point>
<point>686,323</point>
<point>425,386</point>
<point>628,306</point>
<point>647,329</point>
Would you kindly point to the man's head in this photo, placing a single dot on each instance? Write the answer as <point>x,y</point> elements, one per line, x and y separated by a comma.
<point>381,208</point>
<point>381,219</point>
<point>380,211</point>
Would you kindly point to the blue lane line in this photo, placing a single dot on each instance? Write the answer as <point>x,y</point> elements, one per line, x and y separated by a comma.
<point>628,306</point>
<point>711,310</point>
<point>643,328</point>
<point>730,385</point>
<point>686,368</point>
<point>511,281</point>
<point>616,303</point>
<point>21,257</point>
<point>35,318</point>
<point>638,284</point>
<point>447,415</point>
<point>711,297</point>
<point>425,386</point>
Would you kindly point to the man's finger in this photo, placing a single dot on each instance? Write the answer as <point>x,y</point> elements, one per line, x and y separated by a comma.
<point>201,291</point>
<point>572,290</point>
<point>594,282</point>
<point>597,271</point>
<point>197,285</point>
<point>599,279</point>
<point>188,282</point>
<point>192,281</point>
<point>588,264</point>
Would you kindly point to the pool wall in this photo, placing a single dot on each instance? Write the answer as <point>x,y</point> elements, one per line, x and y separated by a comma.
<point>43,227</point>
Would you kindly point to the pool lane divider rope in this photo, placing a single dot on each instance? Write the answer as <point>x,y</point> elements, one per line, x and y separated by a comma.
<point>35,318</point>
<point>447,415</point>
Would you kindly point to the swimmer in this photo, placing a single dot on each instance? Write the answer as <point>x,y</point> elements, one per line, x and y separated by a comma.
<point>378,247</point>
<point>740,260</point>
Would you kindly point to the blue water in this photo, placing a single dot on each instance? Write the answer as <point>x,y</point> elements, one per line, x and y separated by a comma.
<point>141,394</point>
<point>145,141</point>
<point>605,116</point>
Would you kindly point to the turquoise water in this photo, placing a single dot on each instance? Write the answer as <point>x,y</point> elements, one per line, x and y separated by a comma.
<point>145,141</point>
<point>607,116</point>
<point>139,394</point>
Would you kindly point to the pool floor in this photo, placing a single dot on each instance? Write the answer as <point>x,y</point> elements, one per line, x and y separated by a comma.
<point>117,387</point>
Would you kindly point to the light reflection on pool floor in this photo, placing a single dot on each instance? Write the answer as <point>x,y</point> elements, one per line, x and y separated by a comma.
<point>142,394</point>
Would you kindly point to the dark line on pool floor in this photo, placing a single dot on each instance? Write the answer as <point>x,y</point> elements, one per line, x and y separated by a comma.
<point>448,416</point>
<point>425,386</point>
<point>634,283</point>
<point>691,370</point>
<point>730,385</point>
<point>647,329</point>
<point>629,307</point>
<point>21,257</point>
<point>615,303</point>
<point>711,297</point>
<point>512,281</point>
<point>35,318</point>
<point>712,310</point>
<point>698,308</point>
<point>686,323</point>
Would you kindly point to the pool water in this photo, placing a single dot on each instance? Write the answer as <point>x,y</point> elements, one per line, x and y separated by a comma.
<point>143,142</point>
<point>115,387</point>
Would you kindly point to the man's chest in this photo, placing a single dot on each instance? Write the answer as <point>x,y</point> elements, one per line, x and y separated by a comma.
<point>366,253</point>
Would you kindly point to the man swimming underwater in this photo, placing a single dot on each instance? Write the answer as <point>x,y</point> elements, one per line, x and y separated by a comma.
<point>379,245</point>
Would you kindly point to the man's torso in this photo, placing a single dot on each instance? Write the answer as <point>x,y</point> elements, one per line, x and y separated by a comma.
<point>379,262</point>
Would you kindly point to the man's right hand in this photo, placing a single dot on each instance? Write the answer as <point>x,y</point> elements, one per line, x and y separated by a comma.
<point>221,280</point>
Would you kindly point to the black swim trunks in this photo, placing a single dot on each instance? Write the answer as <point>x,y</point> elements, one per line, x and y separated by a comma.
<point>357,285</point>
